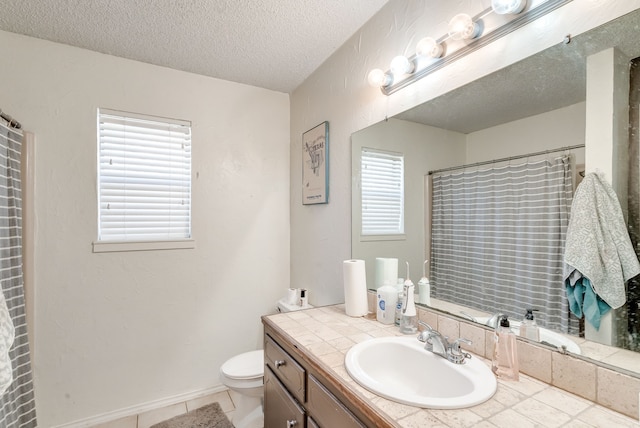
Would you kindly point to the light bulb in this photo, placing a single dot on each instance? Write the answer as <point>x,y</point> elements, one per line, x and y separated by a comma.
<point>508,7</point>
<point>462,27</point>
<point>401,65</point>
<point>378,78</point>
<point>428,47</point>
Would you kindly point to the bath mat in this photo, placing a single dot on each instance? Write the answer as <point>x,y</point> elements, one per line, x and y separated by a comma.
<point>209,416</point>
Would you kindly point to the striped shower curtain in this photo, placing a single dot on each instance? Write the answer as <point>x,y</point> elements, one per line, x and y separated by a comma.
<point>498,239</point>
<point>17,405</point>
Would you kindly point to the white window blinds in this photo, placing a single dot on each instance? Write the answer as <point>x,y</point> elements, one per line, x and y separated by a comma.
<point>144,177</point>
<point>382,187</point>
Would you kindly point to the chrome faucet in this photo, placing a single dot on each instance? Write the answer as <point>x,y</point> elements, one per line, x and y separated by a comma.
<point>424,334</point>
<point>435,342</point>
<point>494,320</point>
<point>466,315</point>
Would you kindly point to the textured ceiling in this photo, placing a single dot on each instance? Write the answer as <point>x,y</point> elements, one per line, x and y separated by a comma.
<point>274,44</point>
<point>552,79</point>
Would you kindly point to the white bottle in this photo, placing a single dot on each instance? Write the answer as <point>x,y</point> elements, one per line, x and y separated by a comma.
<point>424,288</point>
<point>529,328</point>
<point>387,300</point>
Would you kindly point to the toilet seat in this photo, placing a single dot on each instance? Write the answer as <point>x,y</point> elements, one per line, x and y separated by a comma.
<point>244,374</point>
<point>249,365</point>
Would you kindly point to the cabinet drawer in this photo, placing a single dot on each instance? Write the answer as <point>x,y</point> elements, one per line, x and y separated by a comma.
<point>281,409</point>
<point>286,368</point>
<point>326,410</point>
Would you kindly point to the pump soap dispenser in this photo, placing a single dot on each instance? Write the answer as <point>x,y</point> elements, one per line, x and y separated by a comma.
<point>424,288</point>
<point>409,320</point>
<point>505,352</point>
<point>529,328</point>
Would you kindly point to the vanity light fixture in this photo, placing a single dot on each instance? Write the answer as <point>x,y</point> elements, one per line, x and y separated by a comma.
<point>462,27</point>
<point>508,7</point>
<point>401,65</point>
<point>429,48</point>
<point>467,34</point>
<point>378,78</point>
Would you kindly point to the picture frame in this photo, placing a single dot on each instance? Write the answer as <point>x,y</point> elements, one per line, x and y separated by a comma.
<point>315,165</point>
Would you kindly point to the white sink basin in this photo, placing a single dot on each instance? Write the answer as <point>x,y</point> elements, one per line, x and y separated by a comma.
<point>401,370</point>
<point>546,335</point>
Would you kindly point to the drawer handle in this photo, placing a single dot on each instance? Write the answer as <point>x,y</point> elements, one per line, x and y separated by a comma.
<point>279,363</point>
<point>292,423</point>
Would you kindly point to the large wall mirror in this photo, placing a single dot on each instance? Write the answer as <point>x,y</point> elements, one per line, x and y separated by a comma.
<point>537,105</point>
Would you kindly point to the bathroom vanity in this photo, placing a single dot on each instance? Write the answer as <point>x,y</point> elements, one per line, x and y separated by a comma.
<point>307,385</point>
<point>298,389</point>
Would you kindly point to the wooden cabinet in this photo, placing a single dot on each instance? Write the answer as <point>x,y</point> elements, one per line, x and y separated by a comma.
<point>280,408</point>
<point>295,395</point>
<point>327,410</point>
<point>290,373</point>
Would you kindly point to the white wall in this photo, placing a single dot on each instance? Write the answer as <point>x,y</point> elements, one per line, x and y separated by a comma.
<point>115,330</point>
<point>338,92</point>
<point>425,148</point>
<point>563,127</point>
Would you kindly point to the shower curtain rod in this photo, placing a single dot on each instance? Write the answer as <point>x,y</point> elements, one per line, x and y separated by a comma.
<point>11,121</point>
<point>561,149</point>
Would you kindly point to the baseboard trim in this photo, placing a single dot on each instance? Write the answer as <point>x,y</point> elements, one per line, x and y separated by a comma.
<point>141,408</point>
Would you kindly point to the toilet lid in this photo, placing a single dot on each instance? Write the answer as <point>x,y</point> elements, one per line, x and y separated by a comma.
<point>245,366</point>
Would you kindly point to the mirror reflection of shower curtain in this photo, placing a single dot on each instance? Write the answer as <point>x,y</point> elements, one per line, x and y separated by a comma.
<point>497,240</point>
<point>17,404</point>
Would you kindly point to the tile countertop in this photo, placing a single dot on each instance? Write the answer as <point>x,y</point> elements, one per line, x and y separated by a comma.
<point>327,333</point>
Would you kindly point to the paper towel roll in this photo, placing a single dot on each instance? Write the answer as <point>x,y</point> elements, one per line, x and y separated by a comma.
<point>386,271</point>
<point>355,288</point>
<point>292,296</point>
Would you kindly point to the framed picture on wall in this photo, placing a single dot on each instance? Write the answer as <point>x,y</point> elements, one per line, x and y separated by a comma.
<point>315,165</point>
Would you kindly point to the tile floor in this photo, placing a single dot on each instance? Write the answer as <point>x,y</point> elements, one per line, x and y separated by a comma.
<point>145,420</point>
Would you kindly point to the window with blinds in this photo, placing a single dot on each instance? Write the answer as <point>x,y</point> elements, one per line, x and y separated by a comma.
<point>382,187</point>
<point>144,178</point>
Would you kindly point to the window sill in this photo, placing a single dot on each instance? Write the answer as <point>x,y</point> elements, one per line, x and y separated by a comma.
<point>123,246</point>
<point>370,238</point>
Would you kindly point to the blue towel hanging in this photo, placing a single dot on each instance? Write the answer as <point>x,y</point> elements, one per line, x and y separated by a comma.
<point>584,301</point>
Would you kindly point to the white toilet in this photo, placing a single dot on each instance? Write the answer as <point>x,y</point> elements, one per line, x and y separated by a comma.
<point>244,374</point>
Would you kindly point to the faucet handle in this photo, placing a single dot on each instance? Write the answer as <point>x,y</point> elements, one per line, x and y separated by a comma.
<point>469,316</point>
<point>456,355</point>
<point>425,325</point>
<point>424,334</point>
<point>456,344</point>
